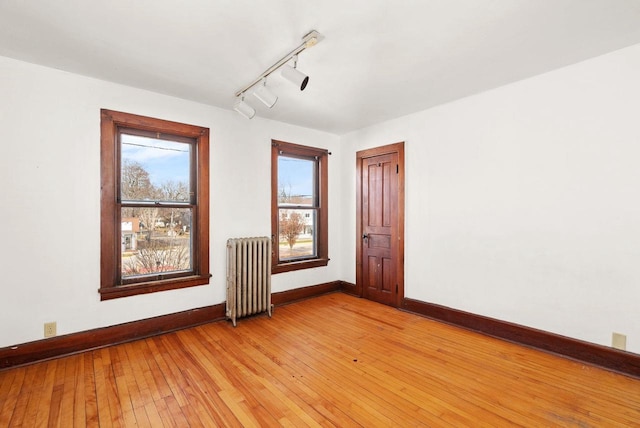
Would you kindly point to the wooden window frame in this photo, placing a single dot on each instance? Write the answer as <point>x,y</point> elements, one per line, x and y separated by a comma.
<point>111,286</point>
<point>322,233</point>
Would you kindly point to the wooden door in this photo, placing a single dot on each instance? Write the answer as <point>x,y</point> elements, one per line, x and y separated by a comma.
<point>380,273</point>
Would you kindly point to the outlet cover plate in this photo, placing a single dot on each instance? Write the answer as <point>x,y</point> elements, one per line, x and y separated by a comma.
<point>619,341</point>
<point>50,329</point>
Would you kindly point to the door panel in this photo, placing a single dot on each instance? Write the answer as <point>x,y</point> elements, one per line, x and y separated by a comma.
<point>388,276</point>
<point>372,272</point>
<point>389,183</point>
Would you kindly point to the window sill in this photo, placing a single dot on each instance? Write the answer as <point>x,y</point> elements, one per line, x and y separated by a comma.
<point>302,264</point>
<point>118,291</point>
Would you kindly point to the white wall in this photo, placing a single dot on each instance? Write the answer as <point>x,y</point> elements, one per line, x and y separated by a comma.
<point>523,203</point>
<point>50,191</point>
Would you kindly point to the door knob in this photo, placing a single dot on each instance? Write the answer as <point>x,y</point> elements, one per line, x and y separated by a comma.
<point>365,236</point>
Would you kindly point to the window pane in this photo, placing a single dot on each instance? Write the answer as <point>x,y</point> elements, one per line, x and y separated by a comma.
<point>153,169</point>
<point>155,240</point>
<point>296,181</point>
<point>297,233</point>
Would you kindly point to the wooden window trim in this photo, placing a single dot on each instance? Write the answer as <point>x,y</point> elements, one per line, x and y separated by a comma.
<point>110,122</point>
<point>322,233</point>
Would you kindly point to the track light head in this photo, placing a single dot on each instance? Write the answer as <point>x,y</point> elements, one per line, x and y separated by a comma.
<point>263,93</point>
<point>243,108</point>
<point>295,76</point>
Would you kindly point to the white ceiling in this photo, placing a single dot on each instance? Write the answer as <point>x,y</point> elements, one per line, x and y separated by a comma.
<point>379,59</point>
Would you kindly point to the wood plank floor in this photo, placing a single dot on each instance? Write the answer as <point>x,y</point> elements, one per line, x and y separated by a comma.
<point>334,360</point>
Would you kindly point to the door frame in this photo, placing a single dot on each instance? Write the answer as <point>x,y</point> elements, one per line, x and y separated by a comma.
<point>397,148</point>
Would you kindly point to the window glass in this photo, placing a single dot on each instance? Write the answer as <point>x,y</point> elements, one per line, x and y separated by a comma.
<point>155,240</point>
<point>297,196</point>
<point>154,173</point>
<point>153,169</point>
<point>154,183</point>
<point>297,234</point>
<point>296,181</point>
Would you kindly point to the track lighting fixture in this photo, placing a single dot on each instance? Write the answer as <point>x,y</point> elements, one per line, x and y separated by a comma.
<point>292,74</point>
<point>243,108</point>
<point>263,93</point>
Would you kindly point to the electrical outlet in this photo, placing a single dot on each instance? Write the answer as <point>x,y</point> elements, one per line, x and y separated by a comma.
<point>619,341</point>
<point>50,329</point>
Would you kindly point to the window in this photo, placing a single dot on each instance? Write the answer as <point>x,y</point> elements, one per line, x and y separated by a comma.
<point>154,205</point>
<point>298,206</point>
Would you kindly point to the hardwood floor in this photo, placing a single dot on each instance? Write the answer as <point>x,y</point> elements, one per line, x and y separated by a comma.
<point>334,360</point>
